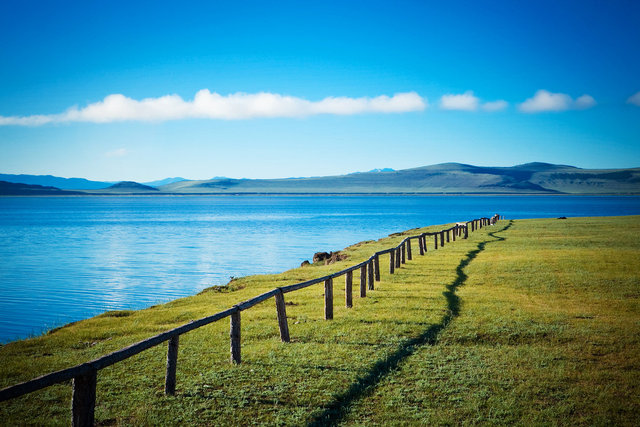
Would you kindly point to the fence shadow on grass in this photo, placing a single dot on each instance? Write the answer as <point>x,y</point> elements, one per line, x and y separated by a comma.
<point>364,385</point>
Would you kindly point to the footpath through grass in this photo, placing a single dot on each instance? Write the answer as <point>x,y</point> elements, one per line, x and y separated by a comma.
<point>528,321</point>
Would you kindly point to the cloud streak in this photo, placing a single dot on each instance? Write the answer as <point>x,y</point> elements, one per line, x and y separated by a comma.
<point>211,105</point>
<point>469,102</point>
<point>634,99</point>
<point>544,101</point>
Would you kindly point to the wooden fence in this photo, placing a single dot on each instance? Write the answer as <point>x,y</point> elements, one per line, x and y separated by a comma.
<point>84,376</point>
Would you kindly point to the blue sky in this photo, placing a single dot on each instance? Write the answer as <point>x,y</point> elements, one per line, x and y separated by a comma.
<point>314,88</point>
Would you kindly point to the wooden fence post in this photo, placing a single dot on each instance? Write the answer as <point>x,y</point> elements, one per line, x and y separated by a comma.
<point>435,241</point>
<point>448,235</point>
<point>328,299</point>
<point>392,261</point>
<point>409,250</point>
<point>83,400</point>
<point>281,311</point>
<point>454,232</point>
<point>421,245</point>
<point>466,231</point>
<point>442,239</point>
<point>370,278</point>
<point>363,281</point>
<point>172,364</point>
<point>376,265</point>
<point>234,335</point>
<point>398,256</point>
<point>348,289</point>
<point>404,250</point>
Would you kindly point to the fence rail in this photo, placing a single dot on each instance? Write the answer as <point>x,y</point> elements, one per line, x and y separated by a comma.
<point>84,376</point>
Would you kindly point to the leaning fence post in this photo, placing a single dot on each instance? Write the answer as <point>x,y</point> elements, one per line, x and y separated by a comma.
<point>281,311</point>
<point>370,279</point>
<point>409,249</point>
<point>83,400</point>
<point>328,299</point>
<point>420,245</point>
<point>363,280</point>
<point>392,261</point>
<point>348,289</point>
<point>376,266</point>
<point>234,335</point>
<point>172,364</point>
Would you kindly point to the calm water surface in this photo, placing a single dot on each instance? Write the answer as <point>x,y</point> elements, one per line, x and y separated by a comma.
<point>67,258</point>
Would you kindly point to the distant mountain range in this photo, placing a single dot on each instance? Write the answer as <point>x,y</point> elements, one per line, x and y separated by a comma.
<point>445,178</point>
<point>74,183</point>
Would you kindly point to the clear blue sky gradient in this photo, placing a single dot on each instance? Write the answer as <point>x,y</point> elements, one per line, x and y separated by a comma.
<point>59,54</point>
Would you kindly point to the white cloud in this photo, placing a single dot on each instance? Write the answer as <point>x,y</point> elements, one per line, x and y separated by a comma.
<point>469,102</point>
<point>495,105</point>
<point>120,152</point>
<point>465,102</point>
<point>583,102</point>
<point>208,105</point>
<point>634,99</point>
<point>544,100</point>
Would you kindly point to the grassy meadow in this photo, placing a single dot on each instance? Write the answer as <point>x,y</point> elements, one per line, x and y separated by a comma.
<point>525,322</point>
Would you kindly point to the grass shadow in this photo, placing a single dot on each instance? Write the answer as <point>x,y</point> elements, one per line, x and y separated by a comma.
<point>364,385</point>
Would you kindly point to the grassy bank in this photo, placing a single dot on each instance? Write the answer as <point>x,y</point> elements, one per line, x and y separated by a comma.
<point>530,321</point>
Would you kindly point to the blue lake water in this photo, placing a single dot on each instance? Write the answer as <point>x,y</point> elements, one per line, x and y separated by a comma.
<point>68,258</point>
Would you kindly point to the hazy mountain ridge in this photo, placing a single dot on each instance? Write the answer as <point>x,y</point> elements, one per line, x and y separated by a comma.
<point>56,181</point>
<point>530,178</point>
<point>18,189</point>
<point>445,178</point>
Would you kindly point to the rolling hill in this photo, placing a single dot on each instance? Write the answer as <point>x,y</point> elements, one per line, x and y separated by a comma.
<point>17,189</point>
<point>446,178</point>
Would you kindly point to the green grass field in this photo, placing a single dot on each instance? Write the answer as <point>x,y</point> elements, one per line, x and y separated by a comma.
<point>526,322</point>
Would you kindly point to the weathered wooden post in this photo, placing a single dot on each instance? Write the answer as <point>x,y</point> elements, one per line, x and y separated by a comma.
<point>281,311</point>
<point>363,281</point>
<point>442,239</point>
<point>472,225</point>
<point>234,335</point>
<point>83,400</point>
<point>435,241</point>
<point>348,291</point>
<point>328,299</point>
<point>376,265</point>
<point>370,278</point>
<point>404,250</point>
<point>421,245</point>
<point>172,364</point>
<point>466,231</point>
<point>409,250</point>
<point>398,256</point>
<point>447,233</point>
<point>392,261</point>
<point>454,232</point>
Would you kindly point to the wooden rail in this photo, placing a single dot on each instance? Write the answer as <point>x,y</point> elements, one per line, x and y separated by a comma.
<point>84,376</point>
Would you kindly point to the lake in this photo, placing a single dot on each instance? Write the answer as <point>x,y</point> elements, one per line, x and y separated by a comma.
<point>68,258</point>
